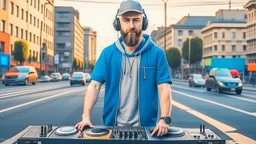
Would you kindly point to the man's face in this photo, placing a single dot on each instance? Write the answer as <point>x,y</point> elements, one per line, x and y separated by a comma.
<point>131,28</point>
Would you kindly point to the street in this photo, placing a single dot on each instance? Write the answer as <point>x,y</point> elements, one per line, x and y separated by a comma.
<point>58,103</point>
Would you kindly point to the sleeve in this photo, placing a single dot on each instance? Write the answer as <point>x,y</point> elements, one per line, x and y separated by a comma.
<point>99,71</point>
<point>163,72</point>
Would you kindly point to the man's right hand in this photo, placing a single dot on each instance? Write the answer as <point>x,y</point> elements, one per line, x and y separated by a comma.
<point>83,123</point>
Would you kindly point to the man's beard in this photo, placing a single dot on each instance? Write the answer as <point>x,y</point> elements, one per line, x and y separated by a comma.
<point>131,37</point>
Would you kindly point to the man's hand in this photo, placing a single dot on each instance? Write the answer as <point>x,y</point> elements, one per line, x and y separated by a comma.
<point>161,128</point>
<point>83,123</point>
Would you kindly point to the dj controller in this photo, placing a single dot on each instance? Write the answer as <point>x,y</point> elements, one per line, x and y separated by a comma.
<point>49,134</point>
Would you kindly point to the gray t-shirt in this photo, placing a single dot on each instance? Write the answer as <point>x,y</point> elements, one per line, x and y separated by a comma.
<point>128,112</point>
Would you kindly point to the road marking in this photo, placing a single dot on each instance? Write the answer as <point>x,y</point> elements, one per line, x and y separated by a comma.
<point>9,95</point>
<point>245,99</point>
<point>239,138</point>
<point>189,88</point>
<point>212,102</point>
<point>39,100</point>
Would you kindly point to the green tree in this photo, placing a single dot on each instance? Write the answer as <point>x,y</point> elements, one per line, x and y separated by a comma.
<point>195,50</point>
<point>75,64</point>
<point>174,58</point>
<point>21,51</point>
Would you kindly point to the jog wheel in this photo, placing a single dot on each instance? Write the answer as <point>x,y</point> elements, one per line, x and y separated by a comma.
<point>66,131</point>
<point>172,132</point>
<point>99,133</point>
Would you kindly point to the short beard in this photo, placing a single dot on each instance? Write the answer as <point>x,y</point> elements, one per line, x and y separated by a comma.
<point>132,37</point>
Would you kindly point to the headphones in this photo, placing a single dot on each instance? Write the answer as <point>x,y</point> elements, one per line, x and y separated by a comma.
<point>117,25</point>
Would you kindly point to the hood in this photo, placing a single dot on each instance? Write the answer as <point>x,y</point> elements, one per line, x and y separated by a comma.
<point>227,79</point>
<point>12,74</point>
<point>145,44</point>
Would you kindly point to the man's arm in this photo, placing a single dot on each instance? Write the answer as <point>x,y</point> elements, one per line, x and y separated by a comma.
<point>165,99</point>
<point>91,98</point>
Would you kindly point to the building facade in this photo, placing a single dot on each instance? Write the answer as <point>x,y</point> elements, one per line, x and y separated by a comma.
<point>90,40</point>
<point>69,39</point>
<point>251,31</point>
<point>31,21</point>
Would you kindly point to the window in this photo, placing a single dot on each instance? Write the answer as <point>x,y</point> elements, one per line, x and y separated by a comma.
<point>22,14</point>
<point>2,26</point>
<point>31,2</point>
<point>17,11</point>
<point>180,32</point>
<point>180,42</point>
<point>3,4</point>
<point>12,49</point>
<point>223,56</point>
<point>223,47</point>
<point>42,7</point>
<point>11,29</point>
<point>190,32</point>
<point>38,5</point>
<point>234,56</point>
<point>244,47</point>
<point>215,48</point>
<point>34,3</point>
<point>63,24</point>
<point>26,16</point>
<point>63,33</point>
<point>61,45</point>
<point>21,33</point>
<point>244,35</point>
<point>34,21</point>
<point>30,21</point>
<point>37,23</point>
<point>34,38</point>
<point>223,35</point>
<point>233,47</point>
<point>26,35</point>
<point>63,14</point>
<point>215,35</point>
<point>2,46</point>
<point>30,37</point>
<point>17,31</point>
<point>233,35</point>
<point>245,16</point>
<point>11,8</point>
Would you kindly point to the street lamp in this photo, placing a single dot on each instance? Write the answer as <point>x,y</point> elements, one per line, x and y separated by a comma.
<point>189,49</point>
<point>165,22</point>
<point>44,46</point>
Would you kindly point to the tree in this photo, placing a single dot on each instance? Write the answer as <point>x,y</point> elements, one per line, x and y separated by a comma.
<point>174,58</point>
<point>75,64</point>
<point>21,51</point>
<point>195,50</point>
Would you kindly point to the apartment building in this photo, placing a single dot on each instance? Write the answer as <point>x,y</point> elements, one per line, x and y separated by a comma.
<point>31,21</point>
<point>225,37</point>
<point>69,38</point>
<point>187,27</point>
<point>90,38</point>
<point>251,31</point>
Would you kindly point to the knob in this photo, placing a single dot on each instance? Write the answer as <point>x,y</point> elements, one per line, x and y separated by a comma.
<point>42,131</point>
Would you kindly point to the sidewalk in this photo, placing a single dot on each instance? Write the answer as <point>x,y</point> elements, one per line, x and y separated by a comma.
<point>246,86</point>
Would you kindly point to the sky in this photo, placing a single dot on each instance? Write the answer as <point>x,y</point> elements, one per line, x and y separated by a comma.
<point>99,16</point>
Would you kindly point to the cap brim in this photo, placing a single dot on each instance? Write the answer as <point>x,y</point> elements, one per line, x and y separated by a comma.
<point>130,10</point>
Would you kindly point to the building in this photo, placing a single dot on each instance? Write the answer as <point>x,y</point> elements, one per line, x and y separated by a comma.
<point>90,38</point>
<point>187,27</point>
<point>225,37</point>
<point>31,21</point>
<point>251,32</point>
<point>69,39</point>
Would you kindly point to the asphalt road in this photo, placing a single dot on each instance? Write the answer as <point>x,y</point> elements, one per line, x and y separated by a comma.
<point>57,103</point>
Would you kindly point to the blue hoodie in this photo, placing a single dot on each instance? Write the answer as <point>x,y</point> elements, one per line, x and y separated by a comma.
<point>153,70</point>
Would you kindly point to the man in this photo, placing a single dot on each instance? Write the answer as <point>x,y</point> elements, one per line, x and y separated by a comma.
<point>136,74</point>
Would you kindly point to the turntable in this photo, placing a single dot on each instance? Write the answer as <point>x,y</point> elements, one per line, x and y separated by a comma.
<point>115,135</point>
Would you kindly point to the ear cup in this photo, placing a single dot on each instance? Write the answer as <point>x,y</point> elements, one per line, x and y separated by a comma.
<point>116,24</point>
<point>145,23</point>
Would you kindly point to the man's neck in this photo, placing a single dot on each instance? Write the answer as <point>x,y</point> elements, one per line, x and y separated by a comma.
<point>130,50</point>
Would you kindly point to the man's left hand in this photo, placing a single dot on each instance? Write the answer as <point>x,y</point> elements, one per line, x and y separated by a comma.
<point>161,128</point>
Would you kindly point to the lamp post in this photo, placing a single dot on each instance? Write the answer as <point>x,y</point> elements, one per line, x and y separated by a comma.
<point>44,46</point>
<point>189,49</point>
<point>165,22</point>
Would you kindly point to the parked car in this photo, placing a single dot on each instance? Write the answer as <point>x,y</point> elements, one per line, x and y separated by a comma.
<point>44,78</point>
<point>78,78</point>
<point>221,80</point>
<point>55,76</point>
<point>196,80</point>
<point>65,76</point>
<point>21,75</point>
<point>88,77</point>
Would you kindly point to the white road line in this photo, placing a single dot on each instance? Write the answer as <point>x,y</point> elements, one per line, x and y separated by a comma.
<point>39,100</point>
<point>215,103</point>
<point>241,98</point>
<point>191,89</point>
<point>29,90</point>
<point>230,131</point>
